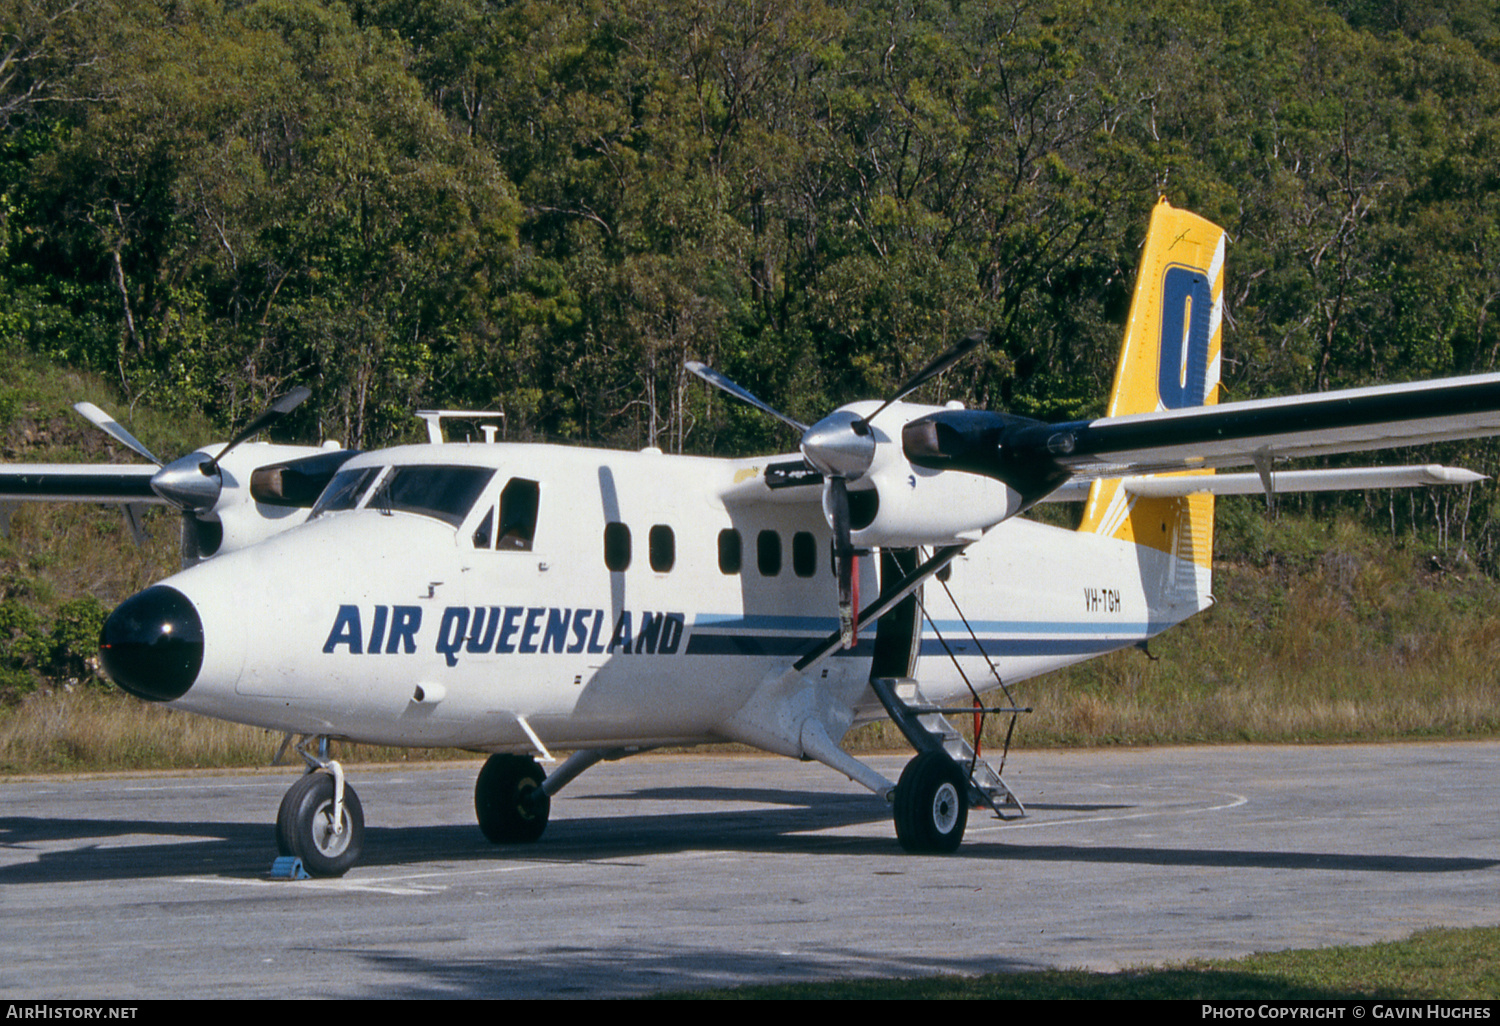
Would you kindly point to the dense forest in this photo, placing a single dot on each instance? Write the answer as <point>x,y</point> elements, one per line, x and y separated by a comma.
<point>547,205</point>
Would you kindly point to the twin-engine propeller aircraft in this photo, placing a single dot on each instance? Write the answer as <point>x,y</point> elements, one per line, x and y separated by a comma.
<point>520,599</point>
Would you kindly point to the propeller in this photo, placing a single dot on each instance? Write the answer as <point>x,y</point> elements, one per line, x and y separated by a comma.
<point>841,447</point>
<point>194,482</point>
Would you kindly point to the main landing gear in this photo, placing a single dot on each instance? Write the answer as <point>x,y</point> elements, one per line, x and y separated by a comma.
<point>931,804</point>
<point>321,820</point>
<point>932,799</point>
<point>509,801</point>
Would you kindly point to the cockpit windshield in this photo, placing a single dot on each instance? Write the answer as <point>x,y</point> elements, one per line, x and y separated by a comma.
<point>344,491</point>
<point>447,493</point>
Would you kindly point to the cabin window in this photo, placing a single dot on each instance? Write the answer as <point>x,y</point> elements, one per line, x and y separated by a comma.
<point>518,505</point>
<point>730,556</point>
<point>616,547</point>
<point>662,548</point>
<point>444,493</point>
<point>344,491</point>
<point>804,554</point>
<point>768,553</point>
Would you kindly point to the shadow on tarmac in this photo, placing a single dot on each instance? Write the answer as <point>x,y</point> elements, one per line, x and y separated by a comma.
<point>788,822</point>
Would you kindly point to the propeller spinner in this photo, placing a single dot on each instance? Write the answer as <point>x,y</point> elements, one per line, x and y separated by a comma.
<point>841,447</point>
<point>193,483</point>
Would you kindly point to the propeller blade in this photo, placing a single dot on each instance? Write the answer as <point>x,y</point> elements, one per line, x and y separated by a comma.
<point>194,483</point>
<point>843,559</point>
<point>280,408</point>
<point>967,345</point>
<point>723,383</point>
<point>104,422</point>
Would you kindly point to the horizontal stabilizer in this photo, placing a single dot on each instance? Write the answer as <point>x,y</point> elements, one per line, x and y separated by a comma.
<point>1286,481</point>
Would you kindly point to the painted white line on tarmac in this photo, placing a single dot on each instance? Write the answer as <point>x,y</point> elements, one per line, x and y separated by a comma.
<point>1234,801</point>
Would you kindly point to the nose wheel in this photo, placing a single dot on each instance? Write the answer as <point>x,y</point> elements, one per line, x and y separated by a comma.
<point>326,835</point>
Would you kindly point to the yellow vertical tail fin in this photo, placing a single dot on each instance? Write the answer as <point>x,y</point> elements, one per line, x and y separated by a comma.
<point>1169,360</point>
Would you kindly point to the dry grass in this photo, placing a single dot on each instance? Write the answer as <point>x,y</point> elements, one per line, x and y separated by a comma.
<point>91,730</point>
<point>1325,631</point>
<point>1365,644</point>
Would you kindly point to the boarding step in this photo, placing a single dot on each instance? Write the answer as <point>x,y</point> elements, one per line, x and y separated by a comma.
<point>926,727</point>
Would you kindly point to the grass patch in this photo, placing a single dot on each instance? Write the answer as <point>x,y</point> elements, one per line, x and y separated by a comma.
<point>89,729</point>
<point>1331,632</point>
<point>1432,965</point>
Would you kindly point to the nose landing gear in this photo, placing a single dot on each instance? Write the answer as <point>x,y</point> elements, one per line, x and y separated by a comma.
<point>321,820</point>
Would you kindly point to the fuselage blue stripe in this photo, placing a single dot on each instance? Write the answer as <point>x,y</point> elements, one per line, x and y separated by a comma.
<point>793,645</point>
<point>951,628</point>
<point>1015,647</point>
<point>1003,629</point>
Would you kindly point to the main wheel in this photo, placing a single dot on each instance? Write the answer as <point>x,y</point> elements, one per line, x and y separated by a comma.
<point>508,800</point>
<point>304,826</point>
<point>932,804</point>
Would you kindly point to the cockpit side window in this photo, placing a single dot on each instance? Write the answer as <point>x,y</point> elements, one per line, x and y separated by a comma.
<point>518,506</point>
<point>446,493</point>
<point>344,491</point>
<point>486,530</point>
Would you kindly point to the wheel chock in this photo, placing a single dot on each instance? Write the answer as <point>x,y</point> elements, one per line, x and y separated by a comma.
<point>289,867</point>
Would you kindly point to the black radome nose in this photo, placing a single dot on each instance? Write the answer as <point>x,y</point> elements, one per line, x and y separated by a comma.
<point>152,644</point>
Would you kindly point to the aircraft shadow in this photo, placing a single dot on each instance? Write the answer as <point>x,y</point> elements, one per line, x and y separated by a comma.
<point>786,822</point>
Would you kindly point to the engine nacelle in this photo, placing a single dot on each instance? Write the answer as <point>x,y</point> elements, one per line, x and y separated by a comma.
<point>927,507</point>
<point>898,504</point>
<point>267,489</point>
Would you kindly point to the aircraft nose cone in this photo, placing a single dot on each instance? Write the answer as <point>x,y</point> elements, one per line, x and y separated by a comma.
<point>152,644</point>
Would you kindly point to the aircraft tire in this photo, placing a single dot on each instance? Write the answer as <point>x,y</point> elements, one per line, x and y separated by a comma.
<point>304,826</point>
<point>507,803</point>
<point>931,807</point>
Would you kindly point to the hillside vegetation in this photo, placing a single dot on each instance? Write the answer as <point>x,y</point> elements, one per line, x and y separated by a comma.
<point>551,204</point>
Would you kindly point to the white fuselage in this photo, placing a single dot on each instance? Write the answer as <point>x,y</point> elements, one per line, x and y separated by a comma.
<point>400,628</point>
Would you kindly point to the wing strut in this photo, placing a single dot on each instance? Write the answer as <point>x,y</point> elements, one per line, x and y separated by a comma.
<point>1264,466</point>
<point>908,584</point>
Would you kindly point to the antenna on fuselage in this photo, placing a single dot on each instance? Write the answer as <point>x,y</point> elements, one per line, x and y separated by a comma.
<point>434,421</point>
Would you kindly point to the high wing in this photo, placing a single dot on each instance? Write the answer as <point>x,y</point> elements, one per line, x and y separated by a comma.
<point>1247,433</point>
<point>1041,460</point>
<point>229,495</point>
<point>63,482</point>
<point>1164,414</point>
